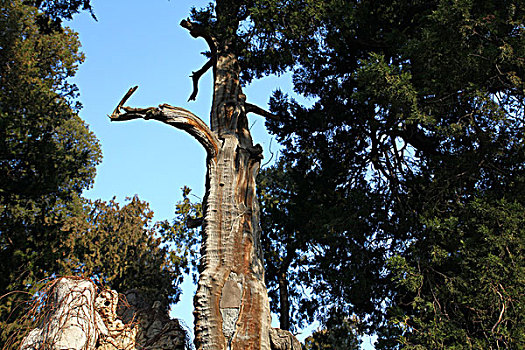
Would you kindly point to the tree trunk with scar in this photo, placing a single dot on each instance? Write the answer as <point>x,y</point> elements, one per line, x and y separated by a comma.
<point>231,303</point>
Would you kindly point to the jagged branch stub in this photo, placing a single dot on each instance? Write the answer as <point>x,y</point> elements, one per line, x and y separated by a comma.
<point>174,116</point>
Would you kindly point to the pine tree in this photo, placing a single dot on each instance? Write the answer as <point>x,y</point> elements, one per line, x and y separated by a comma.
<point>414,143</point>
<point>47,158</point>
<point>47,154</point>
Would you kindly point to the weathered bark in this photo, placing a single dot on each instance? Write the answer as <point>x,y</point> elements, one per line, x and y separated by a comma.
<point>231,293</point>
<point>231,303</point>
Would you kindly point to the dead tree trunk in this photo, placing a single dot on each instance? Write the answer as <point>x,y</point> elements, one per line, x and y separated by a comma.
<point>231,304</point>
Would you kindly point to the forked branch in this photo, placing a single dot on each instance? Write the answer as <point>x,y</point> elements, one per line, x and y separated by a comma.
<point>177,117</point>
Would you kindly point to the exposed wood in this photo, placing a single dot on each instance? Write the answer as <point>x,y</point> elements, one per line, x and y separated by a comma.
<point>231,304</point>
<point>124,99</point>
<point>174,116</point>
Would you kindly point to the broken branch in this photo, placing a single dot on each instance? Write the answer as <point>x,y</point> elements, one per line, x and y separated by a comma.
<point>177,117</point>
<point>250,108</point>
<point>197,31</point>
<point>195,76</point>
<point>128,94</point>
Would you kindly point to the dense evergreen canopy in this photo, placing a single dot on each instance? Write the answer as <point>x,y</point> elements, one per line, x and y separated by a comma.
<point>47,158</point>
<point>383,208</point>
<point>414,143</point>
<point>48,155</point>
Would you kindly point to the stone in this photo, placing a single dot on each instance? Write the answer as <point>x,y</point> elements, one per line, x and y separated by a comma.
<point>81,317</point>
<point>71,323</point>
<point>283,340</point>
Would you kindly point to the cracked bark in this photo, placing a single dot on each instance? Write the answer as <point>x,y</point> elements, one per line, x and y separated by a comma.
<point>231,303</point>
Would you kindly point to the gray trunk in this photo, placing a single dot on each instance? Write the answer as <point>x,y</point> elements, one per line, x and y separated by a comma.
<point>231,304</point>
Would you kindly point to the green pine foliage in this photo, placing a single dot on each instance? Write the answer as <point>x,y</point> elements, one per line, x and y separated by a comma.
<point>47,154</point>
<point>120,248</point>
<point>408,170</point>
<point>285,254</point>
<point>461,286</point>
<point>183,235</point>
<point>47,158</point>
<point>341,335</point>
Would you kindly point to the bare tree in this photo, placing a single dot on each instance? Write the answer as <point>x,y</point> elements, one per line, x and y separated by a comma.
<point>231,304</point>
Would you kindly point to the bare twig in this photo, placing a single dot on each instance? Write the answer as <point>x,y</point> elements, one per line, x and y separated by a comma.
<point>195,77</point>
<point>250,108</point>
<point>272,154</point>
<point>502,312</point>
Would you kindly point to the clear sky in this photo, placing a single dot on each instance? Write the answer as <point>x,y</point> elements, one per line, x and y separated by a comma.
<point>139,42</point>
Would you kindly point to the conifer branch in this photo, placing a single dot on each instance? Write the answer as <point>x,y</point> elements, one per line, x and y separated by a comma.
<point>198,31</point>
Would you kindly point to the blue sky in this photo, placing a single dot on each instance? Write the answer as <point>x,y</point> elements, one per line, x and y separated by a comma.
<point>141,43</point>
